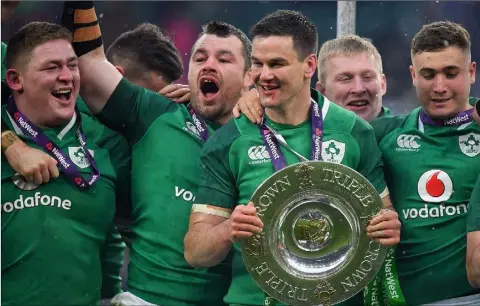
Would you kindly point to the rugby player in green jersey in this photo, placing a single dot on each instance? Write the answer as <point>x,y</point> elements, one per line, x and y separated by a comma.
<point>350,74</point>
<point>54,236</point>
<point>144,56</point>
<point>166,138</point>
<point>431,159</point>
<point>235,159</point>
<point>473,227</point>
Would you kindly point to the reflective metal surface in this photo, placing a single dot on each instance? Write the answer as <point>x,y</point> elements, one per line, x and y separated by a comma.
<point>314,249</point>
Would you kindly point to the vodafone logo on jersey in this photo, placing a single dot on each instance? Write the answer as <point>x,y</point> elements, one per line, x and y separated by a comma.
<point>435,186</point>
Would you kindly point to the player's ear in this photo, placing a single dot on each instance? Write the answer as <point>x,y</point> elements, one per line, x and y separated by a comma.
<point>121,70</point>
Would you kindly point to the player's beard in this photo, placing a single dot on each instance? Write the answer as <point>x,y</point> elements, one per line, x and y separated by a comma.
<point>220,111</point>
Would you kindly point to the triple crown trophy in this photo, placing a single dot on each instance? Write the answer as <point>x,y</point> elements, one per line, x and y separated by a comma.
<point>313,249</point>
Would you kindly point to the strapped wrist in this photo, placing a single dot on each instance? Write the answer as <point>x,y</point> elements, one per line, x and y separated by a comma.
<point>80,18</point>
<point>9,138</point>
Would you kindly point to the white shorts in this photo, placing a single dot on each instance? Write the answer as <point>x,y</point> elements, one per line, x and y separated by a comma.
<point>128,299</point>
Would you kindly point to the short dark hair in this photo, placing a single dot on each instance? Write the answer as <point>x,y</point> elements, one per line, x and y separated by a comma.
<point>440,35</point>
<point>292,24</point>
<point>224,30</point>
<point>30,36</point>
<point>146,48</point>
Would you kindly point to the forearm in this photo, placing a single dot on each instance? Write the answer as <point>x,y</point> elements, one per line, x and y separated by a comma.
<point>473,258</point>
<point>207,245</point>
<point>473,269</point>
<point>99,78</point>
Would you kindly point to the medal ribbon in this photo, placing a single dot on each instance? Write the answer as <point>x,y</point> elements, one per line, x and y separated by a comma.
<point>459,119</point>
<point>199,123</point>
<point>384,289</point>
<point>64,162</point>
<point>278,159</point>
<point>273,148</point>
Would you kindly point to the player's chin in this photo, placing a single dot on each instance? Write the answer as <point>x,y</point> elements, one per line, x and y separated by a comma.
<point>443,111</point>
<point>64,114</point>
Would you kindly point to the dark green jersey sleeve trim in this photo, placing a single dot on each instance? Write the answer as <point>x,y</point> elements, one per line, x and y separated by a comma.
<point>217,184</point>
<point>132,109</point>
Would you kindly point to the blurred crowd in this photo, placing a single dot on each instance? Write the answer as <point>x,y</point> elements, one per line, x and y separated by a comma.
<point>390,25</point>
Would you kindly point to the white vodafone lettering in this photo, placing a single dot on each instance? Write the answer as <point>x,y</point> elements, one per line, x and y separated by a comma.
<point>437,211</point>
<point>37,200</point>
<point>185,194</point>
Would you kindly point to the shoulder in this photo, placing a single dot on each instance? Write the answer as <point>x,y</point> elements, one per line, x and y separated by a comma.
<point>223,138</point>
<point>383,126</point>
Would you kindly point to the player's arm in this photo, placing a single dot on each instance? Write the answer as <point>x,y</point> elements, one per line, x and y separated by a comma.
<point>99,78</point>
<point>207,242</point>
<point>249,104</point>
<point>112,261</point>
<point>385,226</point>
<point>212,231</point>
<point>216,220</point>
<point>34,165</point>
<point>473,237</point>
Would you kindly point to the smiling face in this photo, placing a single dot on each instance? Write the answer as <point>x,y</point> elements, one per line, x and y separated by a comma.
<point>355,83</point>
<point>216,75</point>
<point>277,72</point>
<point>442,80</point>
<point>47,85</point>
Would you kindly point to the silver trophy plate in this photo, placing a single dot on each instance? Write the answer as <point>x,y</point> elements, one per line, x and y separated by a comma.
<point>314,249</point>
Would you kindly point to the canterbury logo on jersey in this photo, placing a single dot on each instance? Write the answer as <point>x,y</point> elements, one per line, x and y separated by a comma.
<point>407,142</point>
<point>34,201</point>
<point>258,155</point>
<point>184,194</point>
<point>435,186</point>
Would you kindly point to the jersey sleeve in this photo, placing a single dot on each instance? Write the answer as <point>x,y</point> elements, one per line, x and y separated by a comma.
<point>384,125</point>
<point>217,184</point>
<point>370,164</point>
<point>131,110</point>
<point>473,217</point>
<point>112,261</point>
<point>120,156</point>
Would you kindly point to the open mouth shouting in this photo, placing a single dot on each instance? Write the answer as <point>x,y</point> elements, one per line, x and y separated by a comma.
<point>209,88</point>
<point>63,94</point>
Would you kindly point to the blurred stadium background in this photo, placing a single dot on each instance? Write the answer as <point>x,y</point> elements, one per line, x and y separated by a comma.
<point>389,24</point>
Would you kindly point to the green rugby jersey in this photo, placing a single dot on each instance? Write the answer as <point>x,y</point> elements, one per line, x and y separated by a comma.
<point>430,172</point>
<point>56,238</point>
<point>4,66</point>
<point>474,209</point>
<point>165,167</point>
<point>385,112</point>
<point>235,161</point>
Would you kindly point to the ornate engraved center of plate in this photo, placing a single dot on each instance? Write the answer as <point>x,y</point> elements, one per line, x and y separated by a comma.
<point>311,230</point>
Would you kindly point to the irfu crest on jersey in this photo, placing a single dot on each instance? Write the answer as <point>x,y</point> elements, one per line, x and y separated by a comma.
<point>470,144</point>
<point>77,155</point>
<point>333,151</point>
